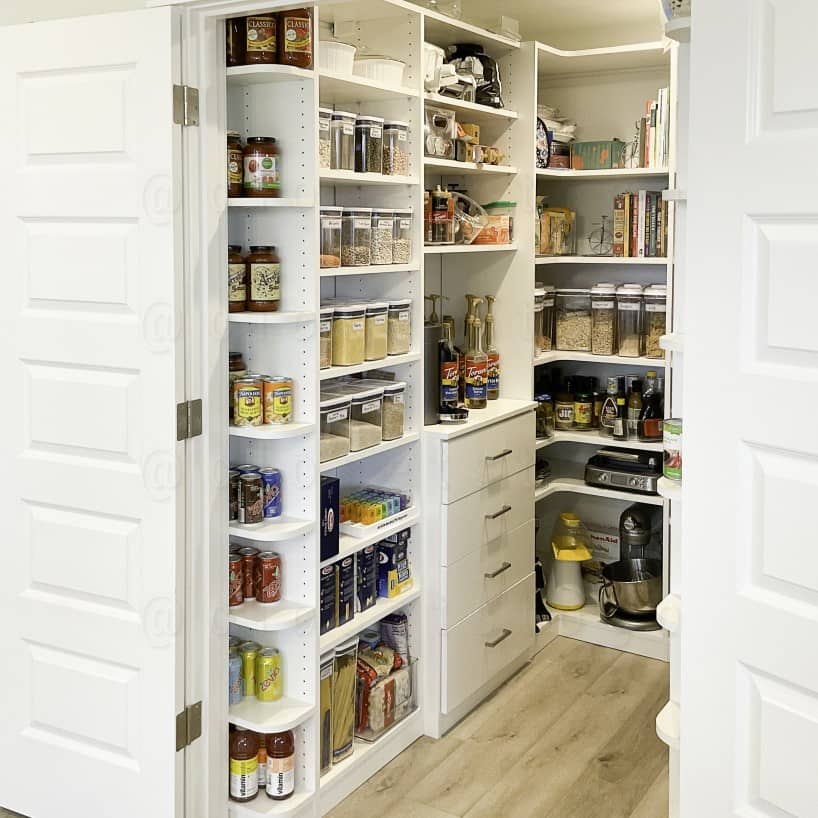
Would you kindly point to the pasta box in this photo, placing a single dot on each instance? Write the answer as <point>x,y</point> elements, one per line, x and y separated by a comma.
<point>604,155</point>
<point>330,516</point>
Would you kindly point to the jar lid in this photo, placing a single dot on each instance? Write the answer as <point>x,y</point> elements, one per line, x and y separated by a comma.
<point>357,211</point>
<point>575,291</point>
<point>656,291</point>
<point>539,292</point>
<point>234,248</point>
<point>349,310</point>
<point>327,310</point>
<point>233,134</point>
<point>400,303</point>
<point>323,110</point>
<point>366,118</point>
<point>333,401</point>
<point>543,398</point>
<point>377,306</point>
<point>331,210</point>
<point>405,211</point>
<point>603,289</point>
<point>235,356</point>
<point>258,140</point>
<point>388,212</point>
<point>395,123</point>
<point>367,394</point>
<point>394,387</point>
<point>262,248</point>
<point>342,115</point>
<point>632,290</point>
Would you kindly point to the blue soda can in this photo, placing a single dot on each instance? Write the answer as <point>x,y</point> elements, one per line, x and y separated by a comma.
<point>271,492</point>
<point>236,685</point>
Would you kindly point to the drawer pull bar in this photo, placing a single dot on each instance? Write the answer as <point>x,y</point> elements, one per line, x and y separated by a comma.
<point>501,638</point>
<point>501,570</point>
<point>500,456</point>
<point>500,513</point>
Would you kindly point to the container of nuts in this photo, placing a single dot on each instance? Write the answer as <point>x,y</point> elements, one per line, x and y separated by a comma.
<point>396,148</point>
<point>655,319</point>
<point>603,321</point>
<point>368,144</point>
<point>382,236</point>
<point>356,237</point>
<point>402,237</point>
<point>573,320</point>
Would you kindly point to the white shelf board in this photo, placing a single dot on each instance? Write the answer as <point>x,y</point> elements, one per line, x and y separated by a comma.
<point>241,75</point>
<point>450,249</point>
<point>276,530</point>
<point>276,617</point>
<point>616,173</point>
<point>451,167</point>
<point>348,545</point>
<point>472,108</point>
<point>372,269</point>
<point>354,457</point>
<point>281,317</point>
<point>262,806</point>
<point>443,30</point>
<point>495,411</point>
<point>349,177</point>
<point>674,195</point>
<point>365,619</point>
<point>669,613</point>
<point>678,29</point>
<point>588,357</point>
<point>272,431</point>
<point>340,89</point>
<point>670,489</point>
<point>654,261</point>
<point>595,438</point>
<point>366,366</point>
<point>260,202</point>
<point>554,62</point>
<point>672,342</point>
<point>667,725</point>
<point>270,717</point>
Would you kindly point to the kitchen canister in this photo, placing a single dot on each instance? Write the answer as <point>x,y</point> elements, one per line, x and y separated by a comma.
<point>673,449</point>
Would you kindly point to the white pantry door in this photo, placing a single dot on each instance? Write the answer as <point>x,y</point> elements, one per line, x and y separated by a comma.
<point>749,693</point>
<point>91,556</point>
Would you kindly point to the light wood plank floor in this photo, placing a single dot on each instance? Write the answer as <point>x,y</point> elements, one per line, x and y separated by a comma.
<point>571,736</point>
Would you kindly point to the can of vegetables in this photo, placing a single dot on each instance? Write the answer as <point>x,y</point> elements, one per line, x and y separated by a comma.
<point>673,449</point>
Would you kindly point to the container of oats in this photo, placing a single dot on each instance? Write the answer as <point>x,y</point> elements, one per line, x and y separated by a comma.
<point>394,410</point>
<point>399,328</point>
<point>603,319</point>
<point>655,319</point>
<point>573,320</point>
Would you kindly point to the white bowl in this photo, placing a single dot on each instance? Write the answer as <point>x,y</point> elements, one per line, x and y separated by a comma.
<point>380,69</point>
<point>336,57</point>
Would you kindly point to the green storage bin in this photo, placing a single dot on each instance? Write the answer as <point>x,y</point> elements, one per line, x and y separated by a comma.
<point>604,155</point>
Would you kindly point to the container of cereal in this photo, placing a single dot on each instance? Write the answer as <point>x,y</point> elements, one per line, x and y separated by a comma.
<point>383,228</point>
<point>376,341</point>
<point>348,334</point>
<point>629,320</point>
<point>603,321</point>
<point>331,236</point>
<point>573,320</point>
<point>356,237</point>
<point>368,144</point>
<point>402,237</point>
<point>326,337</point>
<point>655,319</point>
<point>396,148</point>
<point>342,134</point>
<point>324,138</point>
<point>394,410</point>
<point>399,327</point>
<point>673,449</point>
<point>334,427</point>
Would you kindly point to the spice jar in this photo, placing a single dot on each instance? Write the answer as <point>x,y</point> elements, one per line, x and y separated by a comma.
<point>366,420</point>
<point>334,442</point>
<point>573,320</point>
<point>261,167</point>
<point>394,410</point>
<point>236,41</point>
<point>396,148</point>
<point>402,237</point>
<point>331,236</point>
<point>348,336</point>
<point>295,37</point>
<point>399,327</point>
<point>383,225</point>
<point>264,279</point>
<point>324,137</point>
<point>544,416</point>
<point>368,144</point>
<point>325,327</point>
<point>603,323</point>
<point>376,331</point>
<point>356,237</point>
<point>236,280</point>
<point>564,411</point>
<point>261,39</point>
<point>629,320</point>
<point>235,164</point>
<point>655,319</point>
<point>342,133</point>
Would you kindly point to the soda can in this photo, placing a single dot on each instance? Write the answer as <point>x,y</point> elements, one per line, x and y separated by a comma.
<point>236,580</point>
<point>236,686</point>
<point>267,577</point>
<point>249,653</point>
<point>271,492</point>
<point>251,510</point>
<point>233,643</point>
<point>248,556</point>
<point>234,547</point>
<point>269,681</point>
<point>233,506</point>
<point>245,468</point>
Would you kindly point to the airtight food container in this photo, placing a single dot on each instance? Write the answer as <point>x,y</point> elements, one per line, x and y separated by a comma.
<point>348,334</point>
<point>335,418</point>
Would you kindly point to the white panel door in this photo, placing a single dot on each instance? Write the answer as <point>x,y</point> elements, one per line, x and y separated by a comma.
<point>91,562</point>
<point>749,701</point>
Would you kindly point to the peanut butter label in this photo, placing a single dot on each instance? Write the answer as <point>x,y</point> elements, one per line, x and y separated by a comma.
<point>297,34</point>
<point>265,282</point>
<point>261,34</point>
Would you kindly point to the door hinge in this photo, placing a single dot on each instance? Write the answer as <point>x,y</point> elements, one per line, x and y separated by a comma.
<point>188,726</point>
<point>188,419</point>
<point>185,105</point>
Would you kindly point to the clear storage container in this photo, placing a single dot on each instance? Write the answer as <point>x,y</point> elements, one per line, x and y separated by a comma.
<point>629,320</point>
<point>335,417</point>
<point>325,328</point>
<point>399,327</point>
<point>603,308</point>
<point>396,148</point>
<point>331,236</point>
<point>573,320</point>
<point>402,237</point>
<point>655,319</point>
<point>348,335</point>
<point>324,138</point>
<point>366,420</point>
<point>539,298</point>
<point>342,134</point>
<point>383,228</point>
<point>549,300</point>
<point>356,237</point>
<point>394,410</point>
<point>368,144</point>
<point>376,331</point>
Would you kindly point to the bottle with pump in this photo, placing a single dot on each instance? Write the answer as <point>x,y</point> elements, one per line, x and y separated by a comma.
<point>449,411</point>
<point>492,353</point>
<point>476,364</point>
<point>470,313</point>
<point>435,300</point>
<point>607,418</point>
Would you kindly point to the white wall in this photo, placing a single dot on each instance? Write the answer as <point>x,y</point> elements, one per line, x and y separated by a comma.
<point>27,11</point>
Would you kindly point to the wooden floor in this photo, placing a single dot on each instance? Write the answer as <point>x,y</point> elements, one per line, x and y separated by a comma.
<point>571,736</point>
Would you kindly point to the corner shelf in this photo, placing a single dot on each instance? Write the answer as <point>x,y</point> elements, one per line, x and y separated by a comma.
<point>670,489</point>
<point>262,806</point>
<point>590,358</point>
<point>270,717</point>
<point>595,438</point>
<point>272,431</point>
<point>241,76</point>
<point>673,342</point>
<point>449,249</point>
<point>654,261</point>
<point>614,173</point>
<point>667,725</point>
<point>678,29</point>
<point>570,477</point>
<point>455,168</point>
<point>276,617</point>
<point>275,530</point>
<point>472,108</point>
<point>669,613</point>
<point>283,317</point>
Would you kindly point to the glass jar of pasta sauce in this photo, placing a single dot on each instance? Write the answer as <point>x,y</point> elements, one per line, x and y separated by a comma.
<point>235,164</point>
<point>263,279</point>
<point>262,175</point>
<point>261,43</point>
<point>295,37</point>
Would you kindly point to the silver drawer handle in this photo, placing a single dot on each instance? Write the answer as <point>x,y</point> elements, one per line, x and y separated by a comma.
<point>500,513</point>
<point>503,636</point>
<point>501,570</point>
<point>500,456</point>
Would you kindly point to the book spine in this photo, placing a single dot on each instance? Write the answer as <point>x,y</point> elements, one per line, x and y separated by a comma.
<point>660,129</point>
<point>653,232</point>
<point>653,135</point>
<point>619,225</point>
<point>627,228</point>
<point>642,142</point>
<point>634,225</point>
<point>640,224</point>
<point>660,229</point>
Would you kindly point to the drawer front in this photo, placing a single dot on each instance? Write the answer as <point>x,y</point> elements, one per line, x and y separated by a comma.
<point>491,513</point>
<point>487,456</point>
<point>486,573</point>
<point>484,643</point>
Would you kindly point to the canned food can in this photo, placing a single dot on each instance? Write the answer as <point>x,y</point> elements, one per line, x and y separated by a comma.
<point>278,399</point>
<point>271,491</point>
<point>249,653</point>
<point>251,510</point>
<point>236,580</point>
<point>246,468</point>
<point>268,577</point>
<point>672,436</point>
<point>249,557</point>
<point>233,504</point>
<point>233,643</point>
<point>235,686</point>
<point>247,402</point>
<point>269,681</point>
<point>234,547</point>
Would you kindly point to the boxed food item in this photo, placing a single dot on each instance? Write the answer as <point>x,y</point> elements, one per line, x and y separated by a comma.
<point>394,572</point>
<point>329,597</point>
<point>500,227</point>
<point>599,155</point>
<point>346,590</point>
<point>330,518</point>
<point>395,634</point>
<point>367,577</point>
<point>604,547</point>
<point>325,711</point>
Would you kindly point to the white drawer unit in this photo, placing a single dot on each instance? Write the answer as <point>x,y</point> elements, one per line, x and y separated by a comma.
<point>483,516</point>
<point>480,646</point>
<point>484,574</point>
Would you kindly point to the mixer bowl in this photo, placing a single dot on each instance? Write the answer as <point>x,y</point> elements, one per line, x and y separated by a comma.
<point>631,586</point>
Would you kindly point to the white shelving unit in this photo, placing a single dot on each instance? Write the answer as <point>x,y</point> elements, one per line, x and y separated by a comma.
<point>619,260</point>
